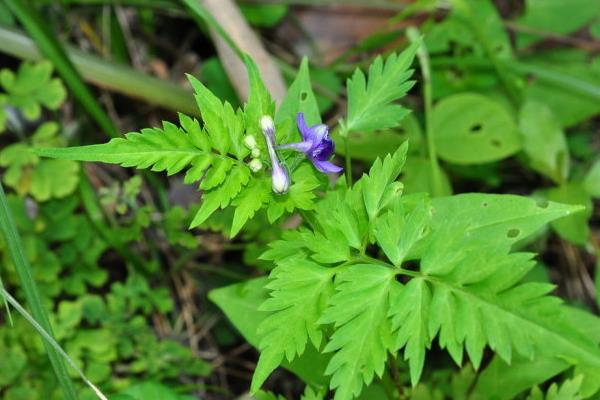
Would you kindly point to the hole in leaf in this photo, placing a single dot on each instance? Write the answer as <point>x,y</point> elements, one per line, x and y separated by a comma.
<point>484,204</point>
<point>476,128</point>
<point>303,96</point>
<point>513,233</point>
<point>496,143</point>
<point>542,203</point>
<point>403,279</point>
<point>413,265</point>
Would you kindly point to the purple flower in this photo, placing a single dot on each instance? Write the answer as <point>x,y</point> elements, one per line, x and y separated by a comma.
<point>316,145</point>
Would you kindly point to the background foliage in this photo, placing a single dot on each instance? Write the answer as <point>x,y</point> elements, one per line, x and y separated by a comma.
<point>377,285</point>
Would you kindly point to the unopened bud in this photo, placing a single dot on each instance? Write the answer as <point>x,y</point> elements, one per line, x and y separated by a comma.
<point>250,142</point>
<point>255,165</point>
<point>267,125</point>
<point>280,182</point>
<point>255,152</point>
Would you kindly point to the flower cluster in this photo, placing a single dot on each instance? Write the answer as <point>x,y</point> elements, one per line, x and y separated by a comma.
<point>316,145</point>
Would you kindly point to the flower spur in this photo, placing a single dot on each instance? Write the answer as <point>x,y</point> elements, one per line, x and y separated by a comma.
<point>316,145</point>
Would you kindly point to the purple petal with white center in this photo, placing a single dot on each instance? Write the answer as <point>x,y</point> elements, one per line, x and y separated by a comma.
<point>327,167</point>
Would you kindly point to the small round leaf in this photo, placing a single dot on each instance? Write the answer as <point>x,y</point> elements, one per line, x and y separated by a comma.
<point>471,128</point>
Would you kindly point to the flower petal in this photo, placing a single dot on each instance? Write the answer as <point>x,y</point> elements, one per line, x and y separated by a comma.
<point>327,167</point>
<point>299,146</point>
<point>305,131</point>
<point>319,133</point>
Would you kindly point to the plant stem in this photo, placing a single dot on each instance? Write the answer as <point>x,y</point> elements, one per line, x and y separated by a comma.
<point>423,57</point>
<point>348,158</point>
<point>32,295</point>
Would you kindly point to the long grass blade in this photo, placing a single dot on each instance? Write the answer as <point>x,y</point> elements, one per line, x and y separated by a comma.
<point>108,75</point>
<point>50,340</point>
<point>32,296</point>
<point>29,17</point>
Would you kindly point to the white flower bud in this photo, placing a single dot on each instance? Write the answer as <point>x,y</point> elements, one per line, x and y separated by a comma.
<point>267,125</point>
<point>250,141</point>
<point>255,152</point>
<point>255,165</point>
<point>280,182</point>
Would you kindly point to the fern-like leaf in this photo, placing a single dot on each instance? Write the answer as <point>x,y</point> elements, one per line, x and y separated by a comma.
<point>370,101</point>
<point>298,290</point>
<point>362,336</point>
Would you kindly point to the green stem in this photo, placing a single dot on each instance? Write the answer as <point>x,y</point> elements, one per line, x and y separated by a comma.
<point>348,159</point>
<point>32,295</point>
<point>107,75</point>
<point>423,57</point>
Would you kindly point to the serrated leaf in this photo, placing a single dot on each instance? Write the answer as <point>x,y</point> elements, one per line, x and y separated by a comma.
<point>221,196</point>
<point>371,101</point>
<point>250,200</point>
<point>400,229</point>
<point>259,99</point>
<point>362,336</point>
<point>299,290</point>
<point>169,149</point>
<point>377,184</point>
<point>409,309</point>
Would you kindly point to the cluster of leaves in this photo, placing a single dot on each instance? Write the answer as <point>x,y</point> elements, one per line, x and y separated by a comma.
<point>466,289</point>
<point>214,153</point>
<point>476,120</point>
<point>28,90</point>
<point>66,242</point>
<point>101,333</point>
<point>374,276</point>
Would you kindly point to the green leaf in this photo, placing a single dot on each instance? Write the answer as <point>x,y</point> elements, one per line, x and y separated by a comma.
<point>400,229</point>
<point>300,98</point>
<point>299,290</point>
<point>507,381</point>
<point>568,390</point>
<point>376,186</point>
<point>592,180</point>
<point>250,200</point>
<point>169,149</point>
<point>240,303</point>
<point>544,141</point>
<point>362,336</point>
<point>499,219</point>
<point>267,15</point>
<point>471,128</point>
<point>574,227</point>
<point>259,100</point>
<point>43,179</point>
<point>417,177</point>
<point>548,16</point>
<point>409,310</point>
<point>371,101</point>
<point>560,85</point>
<point>222,124</point>
<point>221,196</point>
<point>150,391</point>
<point>32,87</point>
